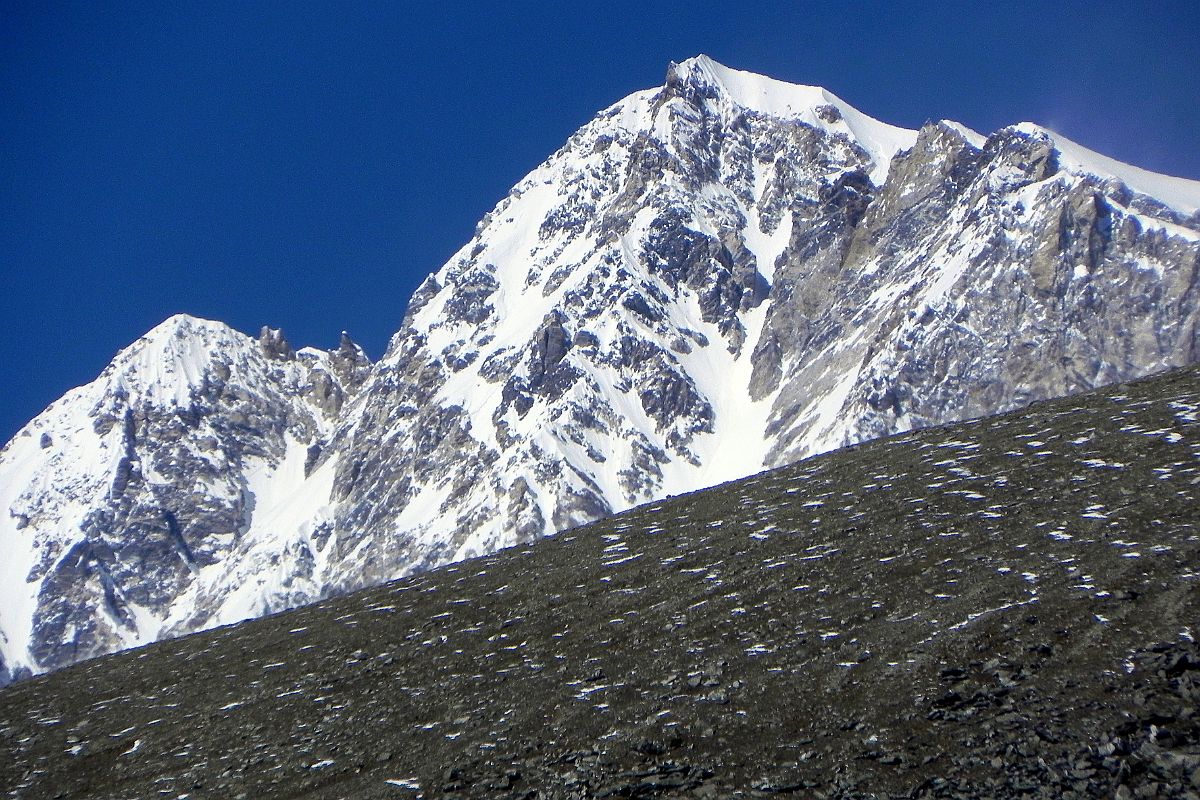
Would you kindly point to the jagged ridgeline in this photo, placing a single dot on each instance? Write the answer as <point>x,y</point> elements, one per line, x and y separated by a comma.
<point>719,275</point>
<point>1000,608</point>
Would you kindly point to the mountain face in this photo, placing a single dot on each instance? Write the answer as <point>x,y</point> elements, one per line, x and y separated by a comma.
<point>185,459</point>
<point>721,275</point>
<point>1002,608</point>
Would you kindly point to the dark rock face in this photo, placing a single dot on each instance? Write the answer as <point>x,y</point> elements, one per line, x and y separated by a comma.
<point>468,300</point>
<point>993,609</point>
<point>714,277</point>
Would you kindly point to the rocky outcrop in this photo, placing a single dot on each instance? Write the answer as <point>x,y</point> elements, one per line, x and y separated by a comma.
<point>983,277</point>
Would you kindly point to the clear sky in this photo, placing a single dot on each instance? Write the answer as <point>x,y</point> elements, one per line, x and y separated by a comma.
<point>306,164</point>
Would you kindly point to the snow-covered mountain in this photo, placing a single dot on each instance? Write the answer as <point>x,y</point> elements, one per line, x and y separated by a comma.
<point>719,275</point>
<point>187,462</point>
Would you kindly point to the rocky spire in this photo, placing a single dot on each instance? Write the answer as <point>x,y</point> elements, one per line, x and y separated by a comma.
<point>275,344</point>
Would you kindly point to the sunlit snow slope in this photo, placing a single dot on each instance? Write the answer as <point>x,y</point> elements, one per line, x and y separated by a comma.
<point>722,274</point>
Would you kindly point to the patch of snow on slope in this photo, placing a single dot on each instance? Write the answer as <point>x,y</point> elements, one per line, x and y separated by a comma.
<point>287,508</point>
<point>976,139</point>
<point>738,444</point>
<point>167,364</point>
<point>18,597</point>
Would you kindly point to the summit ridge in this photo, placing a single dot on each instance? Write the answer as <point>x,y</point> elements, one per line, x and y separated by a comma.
<point>810,105</point>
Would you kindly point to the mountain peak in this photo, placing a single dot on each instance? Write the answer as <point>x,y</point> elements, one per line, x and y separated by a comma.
<point>184,323</point>
<point>748,89</point>
<point>703,80</point>
<point>709,278</point>
<point>173,358</point>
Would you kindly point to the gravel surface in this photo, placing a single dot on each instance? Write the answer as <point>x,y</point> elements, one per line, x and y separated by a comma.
<point>1004,608</point>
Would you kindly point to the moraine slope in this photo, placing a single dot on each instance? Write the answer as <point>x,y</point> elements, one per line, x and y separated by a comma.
<point>989,609</point>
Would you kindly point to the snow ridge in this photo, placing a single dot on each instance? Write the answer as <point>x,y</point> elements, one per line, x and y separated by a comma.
<point>1179,193</point>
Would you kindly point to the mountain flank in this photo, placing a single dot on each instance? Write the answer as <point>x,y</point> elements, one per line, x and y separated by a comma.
<point>720,275</point>
<point>1000,608</point>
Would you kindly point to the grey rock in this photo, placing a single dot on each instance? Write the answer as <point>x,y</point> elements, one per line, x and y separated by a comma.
<point>275,344</point>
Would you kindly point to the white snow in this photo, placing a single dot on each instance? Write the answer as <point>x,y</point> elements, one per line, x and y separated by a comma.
<point>18,596</point>
<point>404,783</point>
<point>976,139</point>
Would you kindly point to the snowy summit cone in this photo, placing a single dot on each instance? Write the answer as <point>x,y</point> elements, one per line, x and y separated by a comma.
<point>719,275</point>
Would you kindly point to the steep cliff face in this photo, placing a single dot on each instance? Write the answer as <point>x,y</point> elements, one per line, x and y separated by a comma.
<point>716,276</point>
<point>984,275</point>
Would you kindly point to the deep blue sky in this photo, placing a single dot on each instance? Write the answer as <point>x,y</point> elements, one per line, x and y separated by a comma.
<point>306,164</point>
